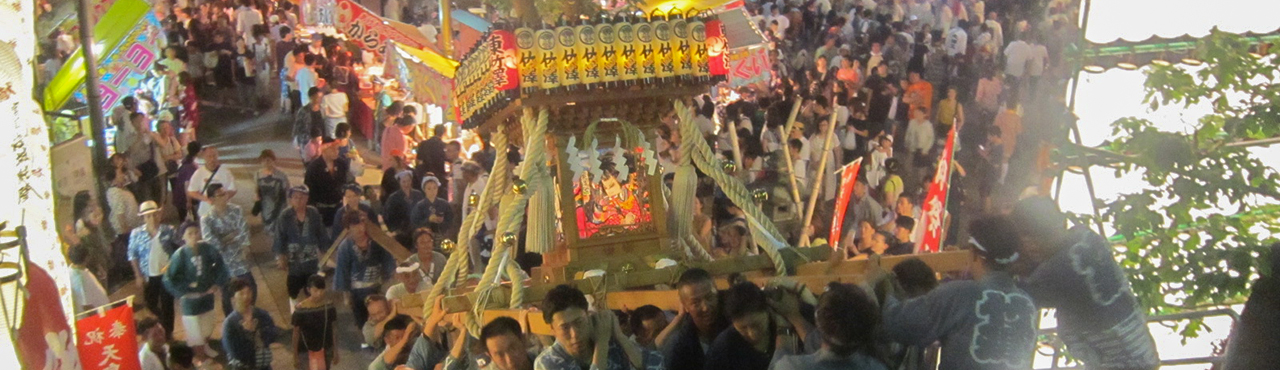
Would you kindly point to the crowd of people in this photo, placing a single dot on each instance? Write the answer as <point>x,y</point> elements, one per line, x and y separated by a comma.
<point>887,80</point>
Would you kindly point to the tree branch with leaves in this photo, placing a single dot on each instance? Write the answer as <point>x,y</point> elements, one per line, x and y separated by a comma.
<point>1180,250</point>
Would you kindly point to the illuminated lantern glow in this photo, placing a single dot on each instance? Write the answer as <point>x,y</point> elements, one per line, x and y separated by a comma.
<point>588,57</point>
<point>526,43</point>
<point>645,53</point>
<point>628,55</point>
<point>608,60</point>
<point>663,61</point>
<point>698,42</point>
<point>567,40</point>
<point>548,58</point>
<point>682,58</point>
<point>717,48</point>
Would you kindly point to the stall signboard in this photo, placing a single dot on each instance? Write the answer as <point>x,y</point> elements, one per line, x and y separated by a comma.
<point>372,32</point>
<point>429,76</point>
<point>124,70</point>
<point>127,39</point>
<point>486,76</point>
<point>749,66</point>
<point>107,340</point>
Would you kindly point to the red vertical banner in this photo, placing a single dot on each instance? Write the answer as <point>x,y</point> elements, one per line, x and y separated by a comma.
<point>44,339</point>
<point>848,177</point>
<point>717,48</point>
<point>935,201</point>
<point>108,341</point>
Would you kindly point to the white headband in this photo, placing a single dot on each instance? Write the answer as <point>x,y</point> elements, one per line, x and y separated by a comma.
<point>1003,261</point>
<point>410,268</point>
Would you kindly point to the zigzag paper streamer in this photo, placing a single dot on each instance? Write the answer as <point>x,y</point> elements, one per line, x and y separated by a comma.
<point>650,157</point>
<point>593,160</point>
<point>572,155</point>
<point>620,159</point>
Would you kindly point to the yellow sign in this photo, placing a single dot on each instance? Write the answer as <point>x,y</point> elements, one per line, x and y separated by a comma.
<point>663,61</point>
<point>548,58</point>
<point>608,65</point>
<point>588,57</point>
<point>682,54</point>
<point>629,55</point>
<point>645,53</point>
<point>698,48</point>
<point>526,44</point>
<point>568,44</point>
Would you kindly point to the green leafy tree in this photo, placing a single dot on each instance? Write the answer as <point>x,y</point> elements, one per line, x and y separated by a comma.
<point>1180,253</point>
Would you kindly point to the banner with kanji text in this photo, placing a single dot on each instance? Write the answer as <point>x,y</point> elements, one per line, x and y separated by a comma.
<point>374,33</point>
<point>107,340</point>
<point>935,200</point>
<point>44,339</point>
<point>848,177</point>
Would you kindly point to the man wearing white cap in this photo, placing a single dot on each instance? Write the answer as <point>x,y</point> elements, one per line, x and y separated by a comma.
<point>149,248</point>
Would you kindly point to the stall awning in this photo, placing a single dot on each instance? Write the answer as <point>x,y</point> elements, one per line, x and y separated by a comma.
<point>112,32</point>
<point>426,74</point>
<point>1114,20</point>
<point>471,20</point>
<point>739,30</point>
<point>435,61</point>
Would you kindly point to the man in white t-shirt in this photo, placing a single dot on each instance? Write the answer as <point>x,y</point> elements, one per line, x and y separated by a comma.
<point>86,292</point>
<point>783,22</point>
<point>997,31</point>
<point>1037,59</point>
<point>210,172</point>
<point>154,351</point>
<point>1015,63</point>
<point>246,18</point>
<point>411,282</point>
<point>334,106</point>
<point>957,40</point>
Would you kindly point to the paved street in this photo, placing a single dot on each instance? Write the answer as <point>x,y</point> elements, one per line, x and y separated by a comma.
<point>240,138</point>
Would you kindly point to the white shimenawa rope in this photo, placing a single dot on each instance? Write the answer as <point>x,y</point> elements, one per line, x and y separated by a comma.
<point>701,154</point>
<point>459,257</point>
<point>512,211</point>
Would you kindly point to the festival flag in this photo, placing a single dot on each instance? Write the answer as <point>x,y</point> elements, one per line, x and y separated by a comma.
<point>935,201</point>
<point>44,339</point>
<point>848,177</point>
<point>107,340</point>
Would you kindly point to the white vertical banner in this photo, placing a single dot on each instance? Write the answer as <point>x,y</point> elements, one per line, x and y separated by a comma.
<point>24,151</point>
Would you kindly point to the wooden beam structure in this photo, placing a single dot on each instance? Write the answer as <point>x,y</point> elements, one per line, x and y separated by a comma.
<point>814,275</point>
<point>943,262</point>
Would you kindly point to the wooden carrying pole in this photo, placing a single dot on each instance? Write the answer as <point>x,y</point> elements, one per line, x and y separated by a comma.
<point>817,183</point>
<point>786,152</point>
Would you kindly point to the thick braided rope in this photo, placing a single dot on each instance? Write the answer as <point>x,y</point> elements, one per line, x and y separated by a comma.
<point>512,213</point>
<point>460,255</point>
<point>685,186</point>
<point>682,239</point>
<point>732,187</point>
